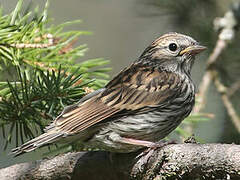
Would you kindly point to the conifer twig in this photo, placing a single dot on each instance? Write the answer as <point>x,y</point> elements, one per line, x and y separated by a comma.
<point>36,45</point>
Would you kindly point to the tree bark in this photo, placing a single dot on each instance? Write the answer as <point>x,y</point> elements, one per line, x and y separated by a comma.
<point>177,161</point>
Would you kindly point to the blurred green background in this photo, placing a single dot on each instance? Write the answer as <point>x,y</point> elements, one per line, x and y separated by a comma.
<point>122,29</point>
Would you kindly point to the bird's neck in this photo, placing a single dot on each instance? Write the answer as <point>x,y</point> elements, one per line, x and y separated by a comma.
<point>170,66</point>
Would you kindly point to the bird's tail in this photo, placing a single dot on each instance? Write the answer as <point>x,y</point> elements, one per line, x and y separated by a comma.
<point>44,139</point>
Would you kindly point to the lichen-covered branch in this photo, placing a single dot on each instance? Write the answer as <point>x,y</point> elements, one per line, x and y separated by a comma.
<point>175,161</point>
<point>191,161</point>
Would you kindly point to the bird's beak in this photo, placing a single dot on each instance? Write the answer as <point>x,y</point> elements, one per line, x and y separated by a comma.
<point>195,49</point>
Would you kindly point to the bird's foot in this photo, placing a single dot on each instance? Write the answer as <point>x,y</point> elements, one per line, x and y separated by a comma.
<point>148,152</point>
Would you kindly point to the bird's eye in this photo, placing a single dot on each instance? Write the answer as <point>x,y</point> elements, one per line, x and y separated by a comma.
<point>172,47</point>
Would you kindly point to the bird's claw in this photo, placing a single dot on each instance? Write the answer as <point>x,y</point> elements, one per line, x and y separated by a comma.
<point>149,151</point>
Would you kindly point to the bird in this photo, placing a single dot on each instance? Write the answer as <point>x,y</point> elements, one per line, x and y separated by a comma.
<point>139,107</point>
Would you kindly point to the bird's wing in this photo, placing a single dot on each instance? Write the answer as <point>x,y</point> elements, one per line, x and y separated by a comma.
<point>134,89</point>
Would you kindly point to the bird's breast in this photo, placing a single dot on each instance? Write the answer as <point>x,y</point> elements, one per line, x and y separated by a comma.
<point>152,124</point>
<point>158,122</point>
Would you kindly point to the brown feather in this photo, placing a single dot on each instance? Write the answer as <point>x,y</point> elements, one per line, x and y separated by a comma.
<point>135,88</point>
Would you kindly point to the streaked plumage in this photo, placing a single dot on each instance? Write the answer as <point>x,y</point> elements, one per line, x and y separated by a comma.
<point>140,106</point>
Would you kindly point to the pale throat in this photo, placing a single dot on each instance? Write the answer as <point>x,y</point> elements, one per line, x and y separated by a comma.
<point>187,65</point>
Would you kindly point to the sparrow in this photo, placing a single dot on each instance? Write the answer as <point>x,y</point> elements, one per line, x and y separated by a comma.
<point>137,108</point>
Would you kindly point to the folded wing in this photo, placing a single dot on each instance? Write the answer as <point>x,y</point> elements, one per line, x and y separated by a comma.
<point>135,89</point>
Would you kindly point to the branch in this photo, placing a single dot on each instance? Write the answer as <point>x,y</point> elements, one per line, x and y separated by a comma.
<point>227,103</point>
<point>227,24</point>
<point>208,76</point>
<point>176,161</point>
<point>233,89</point>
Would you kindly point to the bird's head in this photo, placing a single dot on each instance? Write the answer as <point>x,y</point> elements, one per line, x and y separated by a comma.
<point>171,51</point>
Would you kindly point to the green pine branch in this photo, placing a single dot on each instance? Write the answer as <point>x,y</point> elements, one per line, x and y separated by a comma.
<point>39,60</point>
